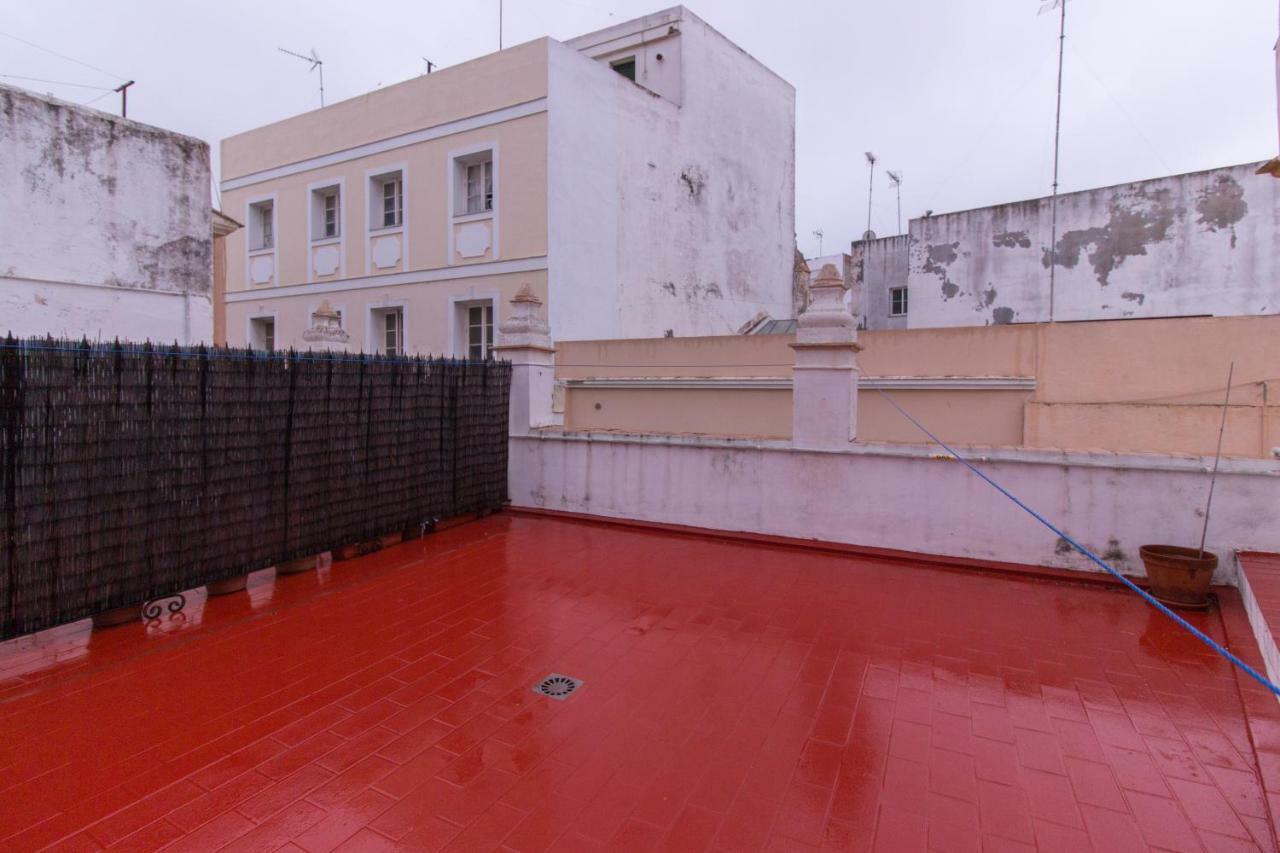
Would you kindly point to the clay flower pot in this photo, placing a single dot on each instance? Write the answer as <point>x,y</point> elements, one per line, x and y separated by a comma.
<point>226,586</point>
<point>1179,577</point>
<point>293,567</point>
<point>118,616</point>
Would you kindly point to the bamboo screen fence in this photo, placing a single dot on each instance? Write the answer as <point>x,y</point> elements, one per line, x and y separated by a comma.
<point>128,472</point>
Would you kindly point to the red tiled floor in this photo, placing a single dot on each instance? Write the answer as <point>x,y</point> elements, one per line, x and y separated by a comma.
<point>737,697</point>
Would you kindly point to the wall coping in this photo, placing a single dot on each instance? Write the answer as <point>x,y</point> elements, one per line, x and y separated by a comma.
<point>768,383</point>
<point>974,453</point>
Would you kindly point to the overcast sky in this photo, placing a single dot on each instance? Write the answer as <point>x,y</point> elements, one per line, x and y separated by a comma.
<point>958,96</point>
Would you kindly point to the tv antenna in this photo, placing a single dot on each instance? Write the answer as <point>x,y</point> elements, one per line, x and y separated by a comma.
<point>871,169</point>
<point>430,64</point>
<point>316,63</point>
<point>895,181</point>
<point>817,232</point>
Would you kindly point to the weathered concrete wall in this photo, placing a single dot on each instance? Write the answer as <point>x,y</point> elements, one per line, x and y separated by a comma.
<point>1185,245</point>
<point>679,217</point>
<point>106,225</point>
<point>878,266</point>
<point>905,497</point>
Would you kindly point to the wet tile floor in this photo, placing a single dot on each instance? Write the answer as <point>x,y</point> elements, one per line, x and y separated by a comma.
<point>737,697</point>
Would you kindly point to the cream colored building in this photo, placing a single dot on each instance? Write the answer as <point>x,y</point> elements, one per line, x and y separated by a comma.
<point>640,179</point>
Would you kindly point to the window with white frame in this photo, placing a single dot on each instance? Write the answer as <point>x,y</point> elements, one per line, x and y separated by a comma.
<point>386,200</point>
<point>262,333</point>
<point>474,193</point>
<point>476,321</point>
<point>262,226</point>
<point>897,301</point>
<point>388,330</point>
<point>326,213</point>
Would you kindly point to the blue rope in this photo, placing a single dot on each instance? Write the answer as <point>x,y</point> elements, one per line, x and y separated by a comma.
<point>1200,635</point>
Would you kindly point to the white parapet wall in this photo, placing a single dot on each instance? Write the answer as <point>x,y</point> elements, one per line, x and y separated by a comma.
<point>107,230</point>
<point>907,497</point>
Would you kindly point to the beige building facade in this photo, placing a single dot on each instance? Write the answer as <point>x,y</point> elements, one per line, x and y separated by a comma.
<point>606,173</point>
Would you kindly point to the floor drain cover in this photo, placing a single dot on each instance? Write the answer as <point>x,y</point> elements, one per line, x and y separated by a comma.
<point>557,686</point>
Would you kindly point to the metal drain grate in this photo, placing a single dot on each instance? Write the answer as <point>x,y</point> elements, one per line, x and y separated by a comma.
<point>557,686</point>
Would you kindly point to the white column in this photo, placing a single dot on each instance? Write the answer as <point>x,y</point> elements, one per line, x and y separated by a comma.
<point>524,339</point>
<point>825,379</point>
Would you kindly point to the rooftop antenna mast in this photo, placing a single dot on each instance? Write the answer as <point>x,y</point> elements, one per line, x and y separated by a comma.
<point>123,89</point>
<point>1049,6</point>
<point>817,232</point>
<point>430,64</point>
<point>499,24</point>
<point>316,64</point>
<point>895,181</point>
<point>871,174</point>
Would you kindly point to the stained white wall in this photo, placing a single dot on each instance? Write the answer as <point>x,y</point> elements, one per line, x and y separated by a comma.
<point>906,497</point>
<point>1184,245</point>
<point>672,217</point>
<point>106,225</point>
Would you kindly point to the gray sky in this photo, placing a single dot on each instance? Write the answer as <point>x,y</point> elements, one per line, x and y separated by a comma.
<point>956,95</point>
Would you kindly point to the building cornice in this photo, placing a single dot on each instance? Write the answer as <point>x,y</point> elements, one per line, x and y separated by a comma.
<point>372,282</point>
<point>391,143</point>
<point>782,383</point>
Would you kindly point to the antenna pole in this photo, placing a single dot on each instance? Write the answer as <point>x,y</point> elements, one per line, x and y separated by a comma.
<point>499,24</point>
<point>1217,457</point>
<point>123,89</point>
<point>871,176</point>
<point>320,68</point>
<point>1057,132</point>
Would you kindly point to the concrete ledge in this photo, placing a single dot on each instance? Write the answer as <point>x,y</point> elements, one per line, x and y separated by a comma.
<point>924,450</point>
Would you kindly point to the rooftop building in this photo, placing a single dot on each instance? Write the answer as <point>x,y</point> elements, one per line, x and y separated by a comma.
<point>641,179</point>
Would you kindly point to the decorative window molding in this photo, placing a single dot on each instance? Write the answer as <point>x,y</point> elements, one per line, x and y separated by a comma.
<point>460,305</point>
<point>459,165</point>
<point>376,181</point>
<point>318,234</point>
<point>261,264</point>
<point>376,326</point>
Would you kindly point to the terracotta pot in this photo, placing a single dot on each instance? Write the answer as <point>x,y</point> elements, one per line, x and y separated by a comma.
<point>293,567</point>
<point>1179,577</point>
<point>226,586</point>
<point>118,616</point>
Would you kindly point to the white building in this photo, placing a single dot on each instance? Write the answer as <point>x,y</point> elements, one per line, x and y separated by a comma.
<point>640,179</point>
<point>1200,244</point>
<point>104,226</point>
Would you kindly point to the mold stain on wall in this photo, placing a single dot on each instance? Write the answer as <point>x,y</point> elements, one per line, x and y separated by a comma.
<point>1136,219</point>
<point>1221,205</point>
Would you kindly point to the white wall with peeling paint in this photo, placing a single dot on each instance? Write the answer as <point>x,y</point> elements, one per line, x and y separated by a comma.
<point>1206,243</point>
<point>668,214</point>
<point>904,497</point>
<point>104,225</point>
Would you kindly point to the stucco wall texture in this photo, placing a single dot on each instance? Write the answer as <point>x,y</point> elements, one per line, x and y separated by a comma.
<point>107,225</point>
<point>1154,387</point>
<point>1205,243</point>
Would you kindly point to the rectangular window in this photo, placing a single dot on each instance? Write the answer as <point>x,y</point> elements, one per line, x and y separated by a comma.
<point>331,214</point>
<point>326,213</point>
<point>392,203</point>
<point>262,332</point>
<point>262,226</point>
<point>625,67</point>
<point>480,187</point>
<point>393,332</point>
<point>897,301</point>
<point>479,331</point>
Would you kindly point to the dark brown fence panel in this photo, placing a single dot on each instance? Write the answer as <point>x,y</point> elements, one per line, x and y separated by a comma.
<point>128,473</point>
